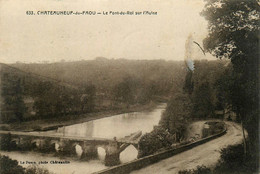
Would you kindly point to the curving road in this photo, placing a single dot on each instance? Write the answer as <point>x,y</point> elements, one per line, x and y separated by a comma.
<point>206,154</point>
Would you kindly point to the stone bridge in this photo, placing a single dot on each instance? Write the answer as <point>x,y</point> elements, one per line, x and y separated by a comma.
<point>67,144</point>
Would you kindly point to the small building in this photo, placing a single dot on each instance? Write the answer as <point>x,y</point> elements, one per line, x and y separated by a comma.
<point>29,103</point>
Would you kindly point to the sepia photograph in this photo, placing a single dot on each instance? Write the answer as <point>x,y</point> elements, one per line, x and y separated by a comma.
<point>129,86</point>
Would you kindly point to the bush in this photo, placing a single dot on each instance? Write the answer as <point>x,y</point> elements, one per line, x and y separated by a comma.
<point>199,170</point>
<point>35,169</point>
<point>233,160</point>
<point>152,142</point>
<point>9,166</point>
<point>6,144</point>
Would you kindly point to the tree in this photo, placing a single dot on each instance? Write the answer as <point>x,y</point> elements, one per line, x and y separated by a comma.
<point>19,106</point>
<point>202,101</point>
<point>234,33</point>
<point>12,93</point>
<point>188,85</point>
<point>223,93</point>
<point>88,98</point>
<point>177,114</point>
<point>46,99</point>
<point>123,91</point>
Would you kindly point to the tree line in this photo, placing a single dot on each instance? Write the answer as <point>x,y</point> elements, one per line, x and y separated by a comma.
<point>52,97</point>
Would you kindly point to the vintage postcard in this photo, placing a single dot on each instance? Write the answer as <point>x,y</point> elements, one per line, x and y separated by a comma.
<point>129,86</point>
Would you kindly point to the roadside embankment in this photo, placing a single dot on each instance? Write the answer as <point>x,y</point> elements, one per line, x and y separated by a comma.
<point>206,154</point>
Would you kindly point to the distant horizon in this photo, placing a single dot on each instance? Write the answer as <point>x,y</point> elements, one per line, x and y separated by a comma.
<point>93,59</point>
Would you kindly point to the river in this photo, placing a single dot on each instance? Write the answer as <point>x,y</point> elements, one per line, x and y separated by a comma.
<point>115,126</point>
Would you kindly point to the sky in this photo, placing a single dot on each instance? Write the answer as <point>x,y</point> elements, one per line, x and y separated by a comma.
<point>52,38</point>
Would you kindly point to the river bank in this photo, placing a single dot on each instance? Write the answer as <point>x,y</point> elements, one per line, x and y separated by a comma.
<point>54,123</point>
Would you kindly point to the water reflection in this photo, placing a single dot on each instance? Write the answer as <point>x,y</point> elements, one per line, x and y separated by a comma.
<point>115,126</point>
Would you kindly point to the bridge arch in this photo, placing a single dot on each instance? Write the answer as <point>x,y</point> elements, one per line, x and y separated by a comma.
<point>78,150</point>
<point>101,152</point>
<point>15,141</point>
<point>35,143</point>
<point>52,146</point>
<point>56,146</point>
<point>128,154</point>
<point>89,151</point>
